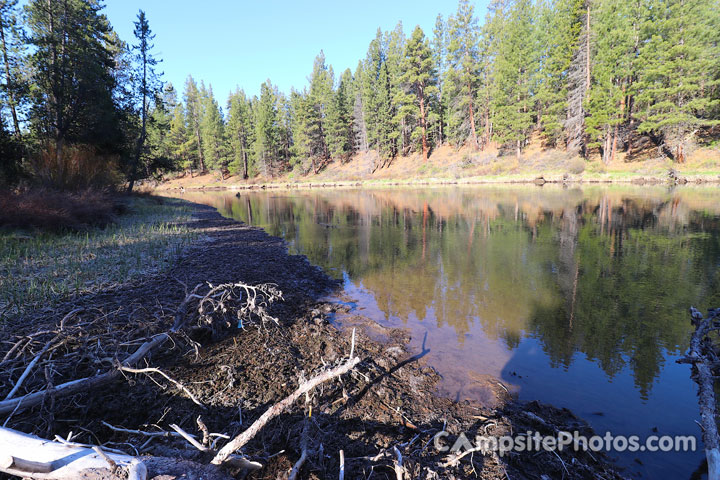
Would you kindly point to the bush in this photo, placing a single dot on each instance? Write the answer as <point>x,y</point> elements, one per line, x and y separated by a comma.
<point>79,167</point>
<point>55,210</point>
<point>577,166</point>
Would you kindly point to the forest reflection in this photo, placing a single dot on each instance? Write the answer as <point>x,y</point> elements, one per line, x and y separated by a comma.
<point>605,271</point>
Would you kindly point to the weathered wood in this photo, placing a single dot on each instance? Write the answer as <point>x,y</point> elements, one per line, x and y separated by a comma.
<point>61,461</point>
<point>700,356</point>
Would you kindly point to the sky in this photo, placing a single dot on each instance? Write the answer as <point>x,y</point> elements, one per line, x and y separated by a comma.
<point>242,43</point>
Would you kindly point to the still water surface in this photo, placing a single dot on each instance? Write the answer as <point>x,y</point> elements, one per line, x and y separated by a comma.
<point>576,297</point>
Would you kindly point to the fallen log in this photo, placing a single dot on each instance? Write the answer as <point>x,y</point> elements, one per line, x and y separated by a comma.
<point>702,357</point>
<point>28,456</point>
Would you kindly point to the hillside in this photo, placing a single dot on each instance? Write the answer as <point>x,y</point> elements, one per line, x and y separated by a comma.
<point>448,165</point>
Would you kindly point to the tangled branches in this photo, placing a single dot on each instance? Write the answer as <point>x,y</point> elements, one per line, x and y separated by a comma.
<point>225,304</point>
<point>90,347</point>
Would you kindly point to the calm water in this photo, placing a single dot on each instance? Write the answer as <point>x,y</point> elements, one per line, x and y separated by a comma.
<point>574,297</point>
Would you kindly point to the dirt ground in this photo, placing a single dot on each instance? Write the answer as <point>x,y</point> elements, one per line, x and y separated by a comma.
<point>387,405</point>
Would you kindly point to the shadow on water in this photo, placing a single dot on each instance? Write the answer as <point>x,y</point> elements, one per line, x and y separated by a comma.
<point>574,297</point>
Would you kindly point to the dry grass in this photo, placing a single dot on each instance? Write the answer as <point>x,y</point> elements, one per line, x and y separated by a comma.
<point>79,167</point>
<point>54,210</point>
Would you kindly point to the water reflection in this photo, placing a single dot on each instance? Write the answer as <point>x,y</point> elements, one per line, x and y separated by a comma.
<point>598,279</point>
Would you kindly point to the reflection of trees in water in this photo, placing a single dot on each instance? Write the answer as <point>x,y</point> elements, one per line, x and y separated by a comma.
<point>605,273</point>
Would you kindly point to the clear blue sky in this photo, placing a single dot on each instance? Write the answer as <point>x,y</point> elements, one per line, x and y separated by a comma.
<point>230,43</point>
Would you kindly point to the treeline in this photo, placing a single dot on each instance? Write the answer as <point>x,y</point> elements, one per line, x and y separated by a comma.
<point>581,75</point>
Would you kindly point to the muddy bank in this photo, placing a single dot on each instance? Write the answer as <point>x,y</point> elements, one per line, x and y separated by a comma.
<point>388,403</point>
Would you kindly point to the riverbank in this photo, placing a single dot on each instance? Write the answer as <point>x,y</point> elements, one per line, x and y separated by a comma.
<point>389,402</point>
<point>448,166</point>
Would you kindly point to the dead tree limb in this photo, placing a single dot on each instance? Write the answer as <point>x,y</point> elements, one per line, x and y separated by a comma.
<point>83,384</point>
<point>239,441</point>
<point>702,357</point>
<point>167,377</point>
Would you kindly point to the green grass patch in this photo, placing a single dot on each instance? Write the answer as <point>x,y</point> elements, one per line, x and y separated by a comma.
<point>37,271</point>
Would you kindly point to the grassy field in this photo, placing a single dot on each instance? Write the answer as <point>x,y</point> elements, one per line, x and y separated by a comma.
<point>39,269</point>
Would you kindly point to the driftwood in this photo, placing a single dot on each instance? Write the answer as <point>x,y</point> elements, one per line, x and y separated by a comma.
<point>703,357</point>
<point>28,456</point>
<point>238,442</point>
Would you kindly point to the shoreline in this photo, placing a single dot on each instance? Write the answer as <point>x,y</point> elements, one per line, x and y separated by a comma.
<point>539,180</point>
<point>391,401</point>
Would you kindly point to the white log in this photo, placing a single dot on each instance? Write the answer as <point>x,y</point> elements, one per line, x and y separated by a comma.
<point>28,456</point>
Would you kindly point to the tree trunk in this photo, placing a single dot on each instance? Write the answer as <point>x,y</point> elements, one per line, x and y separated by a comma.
<point>245,164</point>
<point>680,153</point>
<point>473,134</point>
<point>423,123</point>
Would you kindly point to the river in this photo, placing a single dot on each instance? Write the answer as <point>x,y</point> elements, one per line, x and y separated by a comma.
<point>576,297</point>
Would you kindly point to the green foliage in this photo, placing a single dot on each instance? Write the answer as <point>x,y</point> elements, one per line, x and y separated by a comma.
<point>340,137</point>
<point>72,82</point>
<point>613,57</point>
<point>462,80</point>
<point>241,133</point>
<point>516,69</point>
<point>212,132</point>
<point>267,132</point>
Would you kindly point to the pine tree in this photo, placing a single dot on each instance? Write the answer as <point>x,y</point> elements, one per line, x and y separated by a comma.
<point>677,71</point>
<point>340,136</point>
<point>240,131</point>
<point>462,74</point>
<point>376,98</point>
<point>267,138</point>
<point>515,71</point>
<point>319,98</point>
<point>398,129</point>
<point>13,48</point>
<point>159,147</point>
<point>439,52</point>
<point>212,132</point>
<point>420,87</point>
<point>360,129</point>
<point>560,23</point>
<point>579,76</point>
<point>193,115</point>
<point>148,86</point>
<point>180,142</point>
<point>490,36</point>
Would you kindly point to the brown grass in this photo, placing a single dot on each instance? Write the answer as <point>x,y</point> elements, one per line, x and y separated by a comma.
<point>79,167</point>
<point>55,210</point>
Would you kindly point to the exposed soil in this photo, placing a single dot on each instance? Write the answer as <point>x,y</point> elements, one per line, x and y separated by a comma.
<point>389,402</point>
